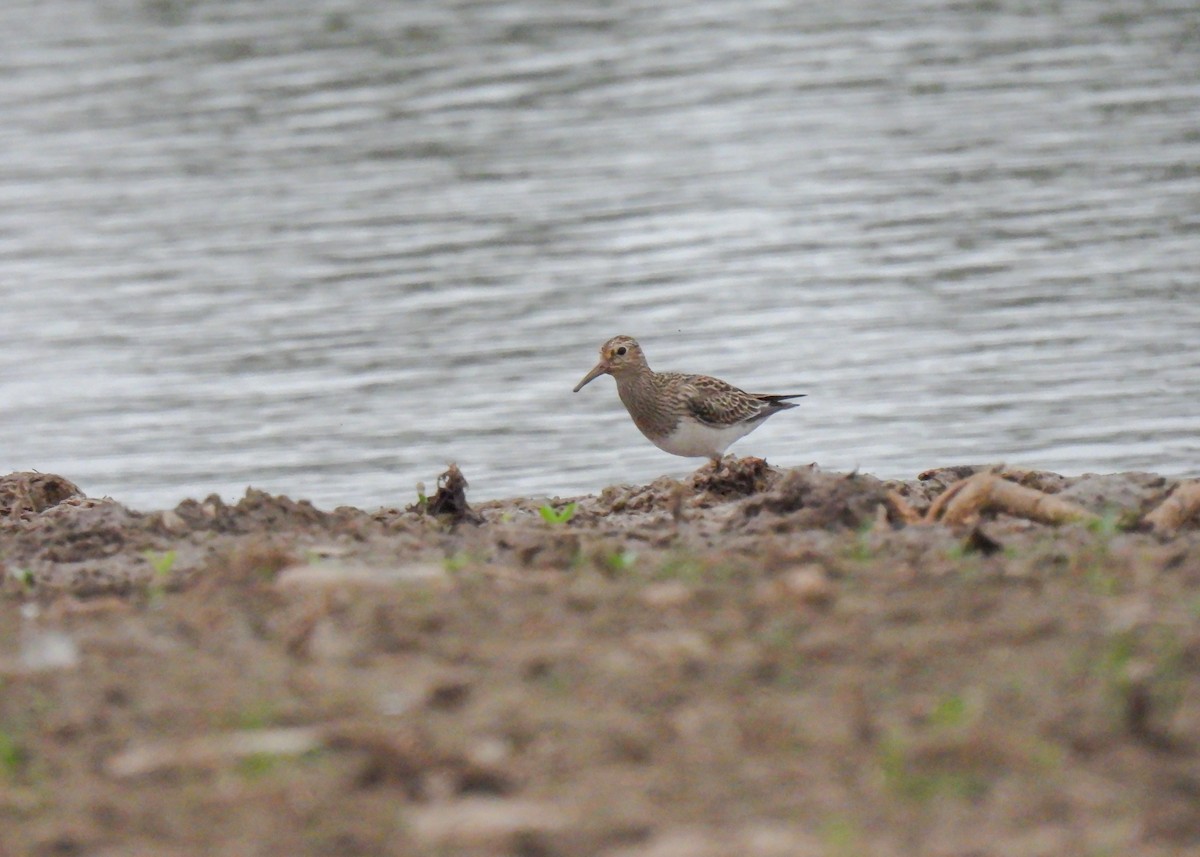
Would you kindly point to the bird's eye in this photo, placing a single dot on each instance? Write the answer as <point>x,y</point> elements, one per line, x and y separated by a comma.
<point>621,351</point>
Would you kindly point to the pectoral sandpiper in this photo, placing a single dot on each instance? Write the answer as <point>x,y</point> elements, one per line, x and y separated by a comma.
<point>688,415</point>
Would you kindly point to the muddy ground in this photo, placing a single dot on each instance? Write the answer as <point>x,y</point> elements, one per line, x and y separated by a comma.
<point>754,662</point>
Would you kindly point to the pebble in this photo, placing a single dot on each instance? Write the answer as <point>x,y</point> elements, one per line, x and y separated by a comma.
<point>668,593</point>
<point>809,584</point>
<point>479,823</point>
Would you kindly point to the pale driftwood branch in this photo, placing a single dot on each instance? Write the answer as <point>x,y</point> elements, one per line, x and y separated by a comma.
<point>942,500</point>
<point>209,751</point>
<point>902,509</point>
<point>987,491</point>
<point>1037,505</point>
<point>1172,513</point>
<point>972,496</point>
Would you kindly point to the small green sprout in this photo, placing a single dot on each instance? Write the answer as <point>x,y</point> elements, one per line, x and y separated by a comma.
<point>862,550</point>
<point>12,755</point>
<point>622,560</point>
<point>258,714</point>
<point>162,563</point>
<point>422,500</point>
<point>951,711</point>
<point>1108,524</point>
<point>842,837</point>
<point>906,779</point>
<point>456,561</point>
<point>22,576</point>
<point>257,765</point>
<point>557,516</point>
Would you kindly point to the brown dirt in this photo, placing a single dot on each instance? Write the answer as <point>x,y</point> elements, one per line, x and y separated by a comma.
<point>750,662</point>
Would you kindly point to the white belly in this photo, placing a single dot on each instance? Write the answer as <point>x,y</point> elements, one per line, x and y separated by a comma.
<point>692,439</point>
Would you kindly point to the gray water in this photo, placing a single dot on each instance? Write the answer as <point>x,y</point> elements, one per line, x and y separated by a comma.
<point>324,248</point>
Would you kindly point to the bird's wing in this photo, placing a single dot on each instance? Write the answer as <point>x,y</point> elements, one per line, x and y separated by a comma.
<point>717,403</point>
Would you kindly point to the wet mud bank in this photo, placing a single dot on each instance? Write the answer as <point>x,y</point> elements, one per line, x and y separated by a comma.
<point>754,660</point>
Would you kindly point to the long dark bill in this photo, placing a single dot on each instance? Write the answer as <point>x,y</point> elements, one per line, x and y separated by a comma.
<point>597,370</point>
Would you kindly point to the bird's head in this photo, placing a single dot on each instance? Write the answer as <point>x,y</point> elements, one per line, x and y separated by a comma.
<point>619,356</point>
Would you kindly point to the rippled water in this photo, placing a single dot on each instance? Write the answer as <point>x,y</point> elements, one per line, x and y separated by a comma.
<point>323,248</point>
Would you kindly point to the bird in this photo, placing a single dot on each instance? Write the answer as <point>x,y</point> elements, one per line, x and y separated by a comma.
<point>687,415</point>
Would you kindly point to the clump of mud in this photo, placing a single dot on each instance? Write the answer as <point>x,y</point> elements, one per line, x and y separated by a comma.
<point>752,660</point>
<point>29,493</point>
<point>256,511</point>
<point>735,477</point>
<point>449,502</point>
<point>808,499</point>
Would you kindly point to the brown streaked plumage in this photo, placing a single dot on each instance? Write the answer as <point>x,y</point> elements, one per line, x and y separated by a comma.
<point>688,415</point>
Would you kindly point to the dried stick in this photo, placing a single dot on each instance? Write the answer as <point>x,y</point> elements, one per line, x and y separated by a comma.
<point>1172,513</point>
<point>902,509</point>
<point>985,491</point>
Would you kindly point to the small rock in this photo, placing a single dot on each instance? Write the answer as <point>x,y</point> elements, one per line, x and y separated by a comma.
<point>173,522</point>
<point>489,752</point>
<point>672,646</point>
<point>668,593</point>
<point>323,575</point>
<point>44,649</point>
<point>764,839</point>
<point>329,642</point>
<point>479,823</point>
<point>810,585</point>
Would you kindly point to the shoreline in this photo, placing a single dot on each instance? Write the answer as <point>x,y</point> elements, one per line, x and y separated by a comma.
<point>751,661</point>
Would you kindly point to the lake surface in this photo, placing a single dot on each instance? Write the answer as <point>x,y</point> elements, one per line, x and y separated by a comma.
<point>324,248</point>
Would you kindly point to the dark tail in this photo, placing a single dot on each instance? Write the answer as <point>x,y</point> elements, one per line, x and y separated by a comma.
<point>778,401</point>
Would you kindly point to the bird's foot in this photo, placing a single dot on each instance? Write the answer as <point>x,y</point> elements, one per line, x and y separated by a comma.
<point>716,465</point>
